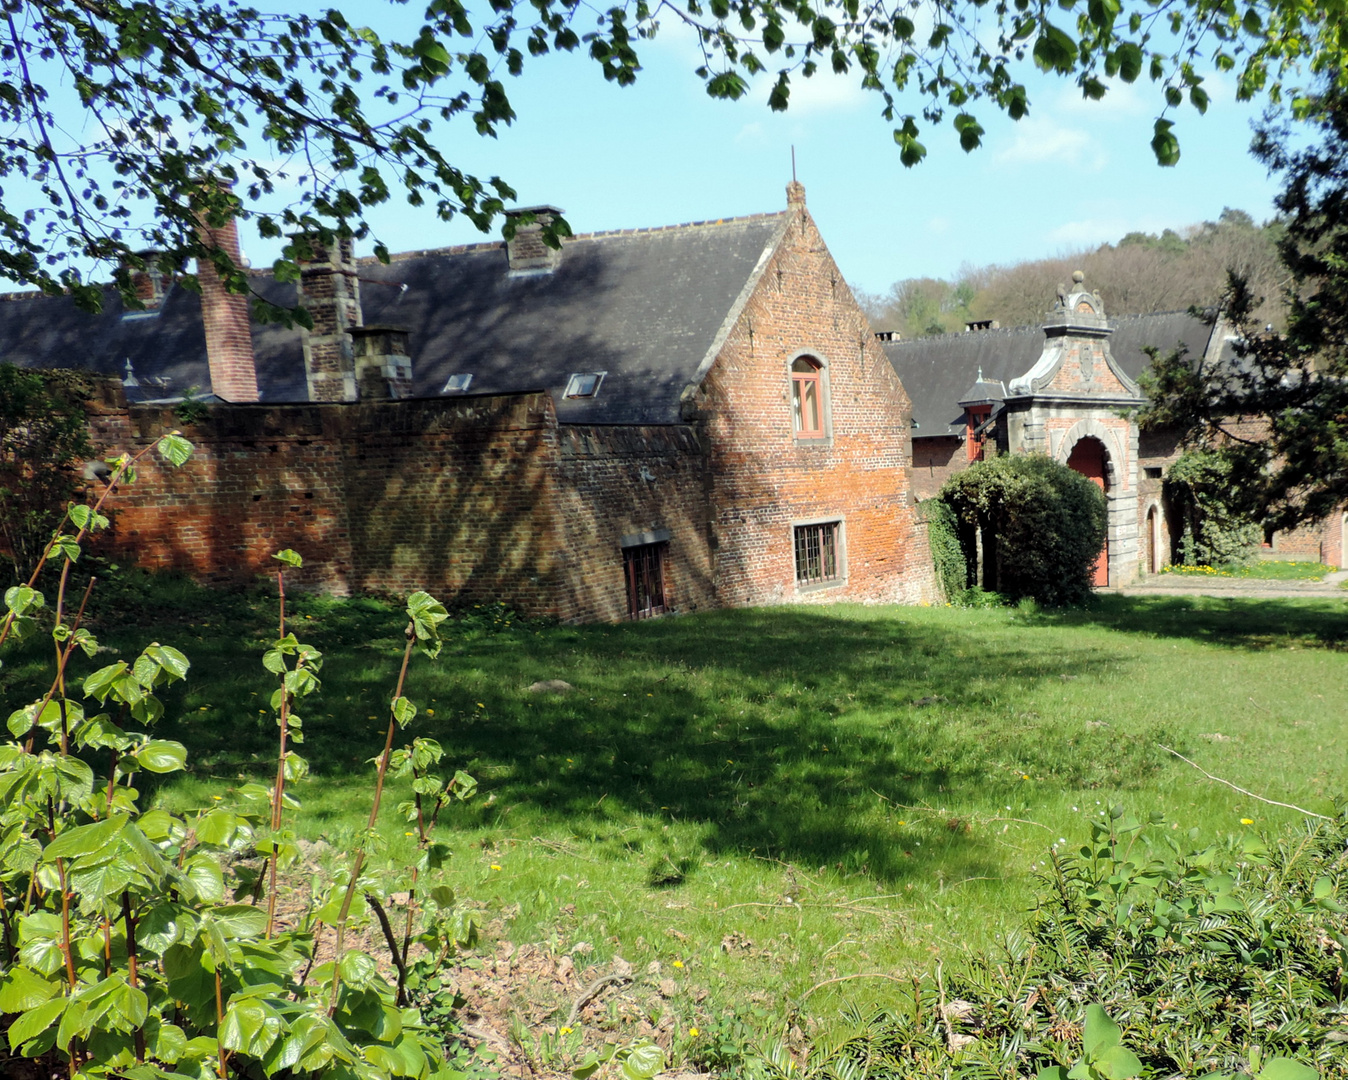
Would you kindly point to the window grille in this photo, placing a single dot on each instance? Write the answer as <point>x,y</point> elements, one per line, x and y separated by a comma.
<point>817,553</point>
<point>644,569</point>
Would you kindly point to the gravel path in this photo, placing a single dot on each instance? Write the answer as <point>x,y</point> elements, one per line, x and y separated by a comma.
<point>1238,588</point>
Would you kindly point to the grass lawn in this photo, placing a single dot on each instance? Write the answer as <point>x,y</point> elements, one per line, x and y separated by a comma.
<point>1269,570</point>
<point>762,801</point>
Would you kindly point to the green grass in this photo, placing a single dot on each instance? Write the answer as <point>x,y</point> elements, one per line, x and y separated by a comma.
<point>774,798</point>
<point>1269,570</point>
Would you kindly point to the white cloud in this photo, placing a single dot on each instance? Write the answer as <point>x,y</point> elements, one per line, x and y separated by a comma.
<point>1087,232</point>
<point>752,133</point>
<point>938,225</point>
<point>1121,99</point>
<point>1040,141</point>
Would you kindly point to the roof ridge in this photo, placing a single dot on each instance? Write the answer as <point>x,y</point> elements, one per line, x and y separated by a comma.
<point>497,245</point>
<point>1028,326</point>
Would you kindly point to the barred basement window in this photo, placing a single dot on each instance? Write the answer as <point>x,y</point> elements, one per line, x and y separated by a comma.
<point>818,555</point>
<point>644,570</point>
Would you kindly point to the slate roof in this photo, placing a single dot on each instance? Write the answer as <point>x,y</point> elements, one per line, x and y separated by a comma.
<point>645,306</point>
<point>938,371</point>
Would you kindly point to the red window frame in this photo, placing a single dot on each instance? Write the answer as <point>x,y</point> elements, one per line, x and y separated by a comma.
<point>807,387</point>
<point>973,444</point>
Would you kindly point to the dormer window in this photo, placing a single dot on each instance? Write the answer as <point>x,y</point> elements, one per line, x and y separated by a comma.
<point>976,431</point>
<point>584,384</point>
<point>458,384</point>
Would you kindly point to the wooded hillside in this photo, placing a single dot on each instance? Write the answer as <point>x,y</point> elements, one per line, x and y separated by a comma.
<point>1141,273</point>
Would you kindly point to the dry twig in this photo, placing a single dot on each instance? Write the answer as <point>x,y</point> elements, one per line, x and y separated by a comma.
<point>1250,794</point>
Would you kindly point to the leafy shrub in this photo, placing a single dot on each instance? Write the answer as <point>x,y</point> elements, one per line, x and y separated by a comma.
<point>1216,529</point>
<point>946,554</point>
<point>1043,523</point>
<point>126,950</point>
<point>1211,960</point>
<point>44,440</point>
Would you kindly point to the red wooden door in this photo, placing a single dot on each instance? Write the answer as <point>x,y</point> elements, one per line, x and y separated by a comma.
<point>1088,458</point>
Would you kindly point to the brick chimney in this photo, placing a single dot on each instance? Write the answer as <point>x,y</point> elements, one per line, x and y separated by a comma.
<point>224,316</point>
<point>383,366</point>
<point>148,281</point>
<point>330,292</point>
<point>526,250</point>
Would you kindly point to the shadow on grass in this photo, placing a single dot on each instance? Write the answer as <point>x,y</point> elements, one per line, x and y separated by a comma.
<point>804,734</point>
<point>794,733</point>
<point>1232,622</point>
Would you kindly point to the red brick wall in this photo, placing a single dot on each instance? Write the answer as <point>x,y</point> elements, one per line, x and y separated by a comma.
<point>935,460</point>
<point>473,499</point>
<point>619,481</point>
<point>764,479</point>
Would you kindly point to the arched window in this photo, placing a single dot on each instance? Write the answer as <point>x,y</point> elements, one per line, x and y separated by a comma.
<point>807,398</point>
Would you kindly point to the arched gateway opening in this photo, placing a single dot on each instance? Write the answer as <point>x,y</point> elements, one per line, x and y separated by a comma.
<point>1089,458</point>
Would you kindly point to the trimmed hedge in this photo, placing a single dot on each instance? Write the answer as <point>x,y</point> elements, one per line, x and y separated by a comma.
<point>1043,526</point>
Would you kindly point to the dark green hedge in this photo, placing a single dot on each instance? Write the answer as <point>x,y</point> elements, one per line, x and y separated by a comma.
<point>1043,525</point>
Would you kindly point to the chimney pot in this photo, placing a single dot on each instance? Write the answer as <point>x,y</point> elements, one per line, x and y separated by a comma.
<point>526,251</point>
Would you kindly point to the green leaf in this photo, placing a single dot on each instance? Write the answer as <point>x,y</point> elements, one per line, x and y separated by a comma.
<point>1100,1034</point>
<point>1053,1072</point>
<point>643,1061</point>
<point>35,1021</point>
<point>250,1027</point>
<point>175,449</point>
<point>289,557</point>
<point>162,756</point>
<point>403,711</point>
<point>1118,1063</point>
<point>203,871</point>
<point>1164,144</point>
<point>171,662</point>
<point>85,839</point>
<point>1285,1068</point>
<point>21,990</point>
<point>239,920</point>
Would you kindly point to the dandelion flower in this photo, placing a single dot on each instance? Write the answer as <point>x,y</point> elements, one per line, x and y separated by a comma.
<point>494,866</point>
<point>564,1031</point>
<point>1247,821</point>
<point>678,963</point>
<point>693,1033</point>
<point>480,705</point>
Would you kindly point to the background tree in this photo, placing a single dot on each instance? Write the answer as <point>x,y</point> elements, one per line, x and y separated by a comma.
<point>1277,416</point>
<point>1141,273</point>
<point>44,441</point>
<point>128,116</point>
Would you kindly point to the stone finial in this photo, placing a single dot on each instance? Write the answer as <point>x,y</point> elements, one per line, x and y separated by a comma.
<point>1078,277</point>
<point>795,193</point>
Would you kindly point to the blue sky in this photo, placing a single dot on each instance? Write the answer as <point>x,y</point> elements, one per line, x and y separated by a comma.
<point>1073,173</point>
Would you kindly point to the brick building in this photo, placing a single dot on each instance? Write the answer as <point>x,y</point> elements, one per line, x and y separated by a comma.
<point>644,421</point>
<point>1065,388</point>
